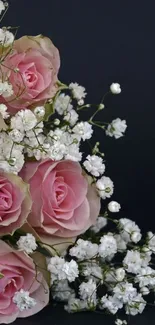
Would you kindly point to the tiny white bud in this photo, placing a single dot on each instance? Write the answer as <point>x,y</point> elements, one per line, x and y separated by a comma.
<point>115,88</point>
<point>118,322</point>
<point>39,111</point>
<point>12,161</point>
<point>56,121</point>
<point>136,236</point>
<point>16,70</point>
<point>144,291</point>
<point>80,102</point>
<point>120,274</point>
<point>114,206</point>
<point>145,249</point>
<point>101,106</point>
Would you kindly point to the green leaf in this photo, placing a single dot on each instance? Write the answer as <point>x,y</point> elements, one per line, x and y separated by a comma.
<point>49,110</point>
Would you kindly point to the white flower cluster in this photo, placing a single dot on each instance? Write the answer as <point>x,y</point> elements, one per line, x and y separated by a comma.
<point>120,322</point>
<point>105,187</point>
<point>2,6</point>
<point>61,291</point>
<point>61,270</point>
<point>129,231</point>
<point>116,128</point>
<point>6,37</point>
<point>11,154</point>
<point>23,300</point>
<point>101,222</point>
<point>84,250</point>
<point>25,136</point>
<point>92,270</point>
<point>3,111</point>
<point>126,284</point>
<point>108,246</point>
<point>94,165</point>
<point>5,88</point>
<point>87,291</point>
<point>27,243</point>
<point>77,91</point>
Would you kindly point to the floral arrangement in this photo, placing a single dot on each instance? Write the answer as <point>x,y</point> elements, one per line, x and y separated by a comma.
<point>53,237</point>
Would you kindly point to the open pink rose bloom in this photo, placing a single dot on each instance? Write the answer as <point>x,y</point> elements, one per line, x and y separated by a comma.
<point>18,271</point>
<point>64,204</point>
<point>31,68</point>
<point>15,203</point>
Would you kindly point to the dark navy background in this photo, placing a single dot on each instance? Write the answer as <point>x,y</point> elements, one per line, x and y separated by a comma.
<point>101,42</point>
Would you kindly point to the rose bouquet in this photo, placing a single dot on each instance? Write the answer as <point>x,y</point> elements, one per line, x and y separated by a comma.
<point>54,238</point>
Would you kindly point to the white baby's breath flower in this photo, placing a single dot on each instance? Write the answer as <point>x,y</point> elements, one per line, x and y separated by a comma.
<point>3,111</point>
<point>145,277</point>
<point>129,230</point>
<point>77,91</point>
<point>94,165</point>
<point>92,270</point>
<point>71,270</point>
<point>136,306</point>
<point>62,270</point>
<point>55,267</point>
<point>105,187</point>
<point>144,291</point>
<point>2,6</point>
<point>61,291</point>
<point>108,246</point>
<point>84,249</point>
<point>6,37</point>
<point>121,244</point>
<point>151,241</point>
<point>120,322</point>
<point>62,104</point>
<point>101,222</point>
<point>16,135</point>
<point>73,152</point>
<point>75,304</point>
<point>111,303</point>
<point>134,261</point>
<point>5,89</point>
<point>57,151</point>
<point>114,206</point>
<point>71,117</point>
<point>125,292</point>
<point>84,130</point>
<point>115,88</point>
<point>23,300</point>
<point>24,120</point>
<point>27,243</point>
<point>116,128</point>
<point>87,291</point>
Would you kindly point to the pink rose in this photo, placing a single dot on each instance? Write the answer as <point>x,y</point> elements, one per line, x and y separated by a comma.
<point>19,272</point>
<point>64,204</point>
<point>15,203</point>
<point>36,62</point>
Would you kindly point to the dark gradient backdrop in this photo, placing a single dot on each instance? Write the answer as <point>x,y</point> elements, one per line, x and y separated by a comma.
<point>101,42</point>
